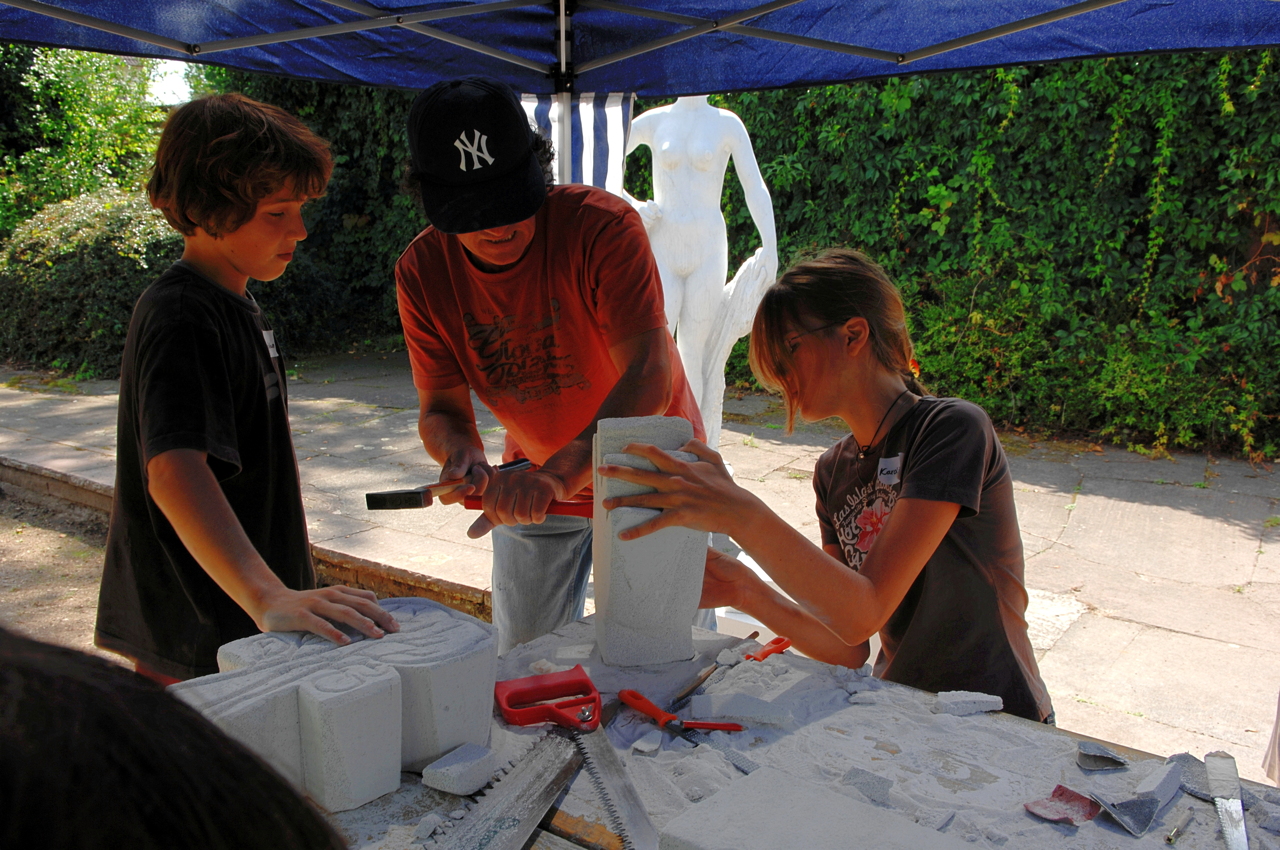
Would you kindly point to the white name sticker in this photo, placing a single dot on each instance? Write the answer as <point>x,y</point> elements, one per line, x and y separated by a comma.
<point>270,337</point>
<point>889,470</point>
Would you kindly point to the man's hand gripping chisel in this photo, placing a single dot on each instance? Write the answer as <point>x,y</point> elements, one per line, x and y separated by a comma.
<point>421,497</point>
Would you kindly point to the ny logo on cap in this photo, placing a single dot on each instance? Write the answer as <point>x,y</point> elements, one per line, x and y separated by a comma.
<point>477,147</point>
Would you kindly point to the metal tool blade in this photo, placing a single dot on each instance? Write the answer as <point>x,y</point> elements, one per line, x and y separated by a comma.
<point>1224,785</point>
<point>623,807</point>
<point>734,757</point>
<point>510,810</point>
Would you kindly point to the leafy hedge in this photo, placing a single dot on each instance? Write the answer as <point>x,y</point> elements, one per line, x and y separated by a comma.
<point>1084,246</point>
<point>71,275</point>
<point>1090,245</point>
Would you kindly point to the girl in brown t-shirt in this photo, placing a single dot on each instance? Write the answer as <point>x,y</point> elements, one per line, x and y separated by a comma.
<point>920,536</point>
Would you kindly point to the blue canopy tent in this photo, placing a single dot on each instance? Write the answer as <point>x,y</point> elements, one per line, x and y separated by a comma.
<point>647,47</point>
<point>650,47</point>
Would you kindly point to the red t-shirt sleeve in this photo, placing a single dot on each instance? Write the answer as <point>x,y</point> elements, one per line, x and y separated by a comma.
<point>433,362</point>
<point>626,289</point>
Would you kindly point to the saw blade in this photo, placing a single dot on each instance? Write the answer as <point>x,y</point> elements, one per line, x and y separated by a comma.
<point>1224,785</point>
<point>622,805</point>
<point>508,811</point>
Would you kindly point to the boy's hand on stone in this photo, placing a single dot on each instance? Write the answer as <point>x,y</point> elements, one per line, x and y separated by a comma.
<point>313,610</point>
<point>518,497</point>
<point>699,495</point>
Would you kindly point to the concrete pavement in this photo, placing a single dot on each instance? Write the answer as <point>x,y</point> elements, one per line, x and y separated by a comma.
<point>1155,582</point>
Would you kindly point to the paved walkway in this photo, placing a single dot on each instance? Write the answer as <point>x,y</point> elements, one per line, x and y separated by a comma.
<point>1155,582</point>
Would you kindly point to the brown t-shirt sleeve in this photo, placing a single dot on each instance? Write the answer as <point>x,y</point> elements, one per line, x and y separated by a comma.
<point>949,458</point>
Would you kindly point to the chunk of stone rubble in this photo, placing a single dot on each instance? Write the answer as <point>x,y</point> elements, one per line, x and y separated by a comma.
<point>646,590</point>
<point>427,826</point>
<point>963,703</point>
<point>729,657</point>
<point>341,722</point>
<point>463,771</point>
<point>739,707</point>
<point>648,742</point>
<point>1268,816</point>
<point>873,786</point>
<point>1161,784</point>
<point>858,686</point>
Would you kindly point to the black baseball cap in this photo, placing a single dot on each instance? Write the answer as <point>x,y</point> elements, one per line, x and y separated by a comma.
<point>473,154</point>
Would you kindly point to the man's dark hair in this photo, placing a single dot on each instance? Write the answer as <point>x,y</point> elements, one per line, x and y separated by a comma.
<point>218,156</point>
<point>95,757</point>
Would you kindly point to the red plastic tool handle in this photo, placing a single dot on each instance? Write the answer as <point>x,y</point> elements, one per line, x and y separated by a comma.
<point>773,647</point>
<point>565,507</point>
<point>638,701</point>
<point>524,702</point>
<point>707,724</point>
<point>642,704</point>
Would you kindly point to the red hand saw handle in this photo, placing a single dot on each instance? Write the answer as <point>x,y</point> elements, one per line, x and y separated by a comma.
<point>565,507</point>
<point>527,701</point>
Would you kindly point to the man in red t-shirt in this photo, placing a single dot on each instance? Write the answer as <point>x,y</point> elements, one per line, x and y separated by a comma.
<point>547,303</point>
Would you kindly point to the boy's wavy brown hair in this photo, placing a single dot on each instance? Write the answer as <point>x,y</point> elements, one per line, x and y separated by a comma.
<point>220,155</point>
<point>828,290</point>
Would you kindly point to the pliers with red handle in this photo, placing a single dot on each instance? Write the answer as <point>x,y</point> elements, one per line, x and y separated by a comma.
<point>668,721</point>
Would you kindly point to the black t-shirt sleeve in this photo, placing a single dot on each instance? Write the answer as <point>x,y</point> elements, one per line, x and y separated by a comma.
<point>184,393</point>
<point>948,458</point>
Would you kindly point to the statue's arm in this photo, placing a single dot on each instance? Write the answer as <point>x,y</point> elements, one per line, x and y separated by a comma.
<point>759,203</point>
<point>641,133</point>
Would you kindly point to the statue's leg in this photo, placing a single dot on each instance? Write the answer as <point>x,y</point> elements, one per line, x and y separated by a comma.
<point>672,293</point>
<point>701,310</point>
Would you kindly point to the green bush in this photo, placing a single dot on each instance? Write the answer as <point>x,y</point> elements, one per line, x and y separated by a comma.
<point>70,123</point>
<point>71,275</point>
<point>1082,246</point>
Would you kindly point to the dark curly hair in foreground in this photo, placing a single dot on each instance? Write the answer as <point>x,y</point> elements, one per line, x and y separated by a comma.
<point>95,757</point>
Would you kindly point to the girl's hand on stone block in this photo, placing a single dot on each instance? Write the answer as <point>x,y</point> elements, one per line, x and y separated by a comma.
<point>699,495</point>
<point>317,610</point>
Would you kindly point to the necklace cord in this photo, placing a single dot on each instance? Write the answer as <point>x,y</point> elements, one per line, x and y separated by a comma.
<point>862,450</point>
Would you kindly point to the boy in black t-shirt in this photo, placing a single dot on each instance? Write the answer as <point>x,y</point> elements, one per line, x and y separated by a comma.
<point>208,541</point>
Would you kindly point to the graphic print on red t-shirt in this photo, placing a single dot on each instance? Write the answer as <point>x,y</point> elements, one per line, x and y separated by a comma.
<point>522,360</point>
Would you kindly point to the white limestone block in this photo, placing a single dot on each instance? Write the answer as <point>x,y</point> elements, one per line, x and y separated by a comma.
<point>738,707</point>
<point>409,698</point>
<point>769,809</point>
<point>350,731</point>
<point>464,771</point>
<point>1161,784</point>
<point>646,590</point>
<point>961,703</point>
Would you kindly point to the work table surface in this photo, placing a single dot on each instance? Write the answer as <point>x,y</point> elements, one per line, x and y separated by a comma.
<point>967,777</point>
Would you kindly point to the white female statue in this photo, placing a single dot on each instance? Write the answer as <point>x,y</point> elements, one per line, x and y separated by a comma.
<point>692,142</point>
